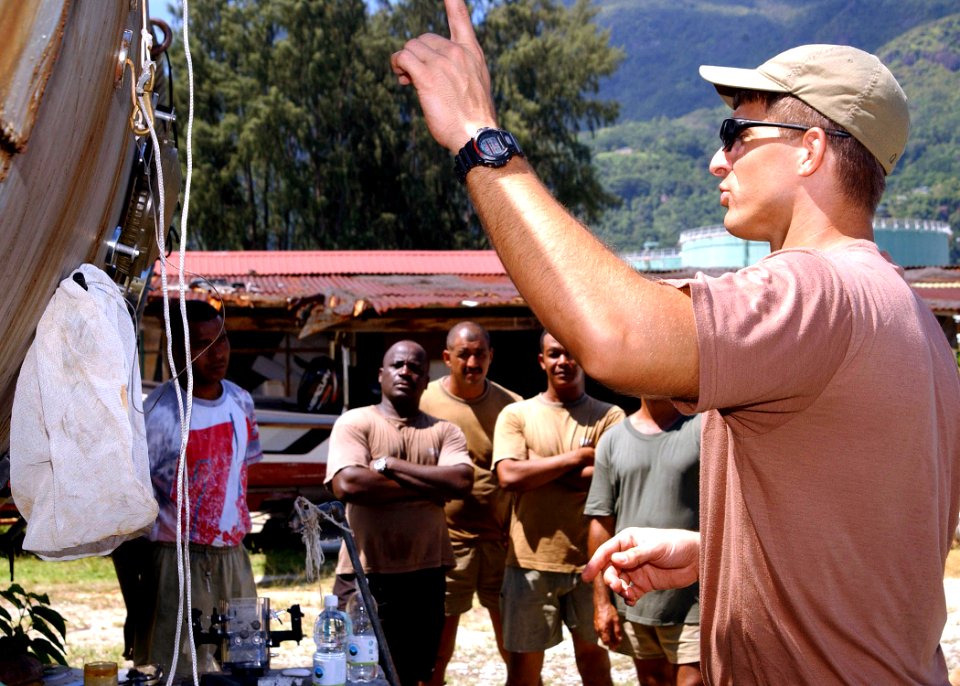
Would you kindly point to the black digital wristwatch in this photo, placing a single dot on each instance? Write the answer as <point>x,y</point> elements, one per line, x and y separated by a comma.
<point>490,148</point>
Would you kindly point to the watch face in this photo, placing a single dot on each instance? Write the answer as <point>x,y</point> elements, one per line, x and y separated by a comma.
<point>491,144</point>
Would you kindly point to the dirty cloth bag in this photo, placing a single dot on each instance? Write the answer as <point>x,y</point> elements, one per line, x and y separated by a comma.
<point>79,470</point>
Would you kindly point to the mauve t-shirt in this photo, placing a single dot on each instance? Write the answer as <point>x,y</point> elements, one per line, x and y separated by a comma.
<point>829,483</point>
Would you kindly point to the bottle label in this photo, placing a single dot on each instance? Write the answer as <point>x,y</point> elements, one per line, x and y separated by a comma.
<point>329,670</point>
<point>362,650</point>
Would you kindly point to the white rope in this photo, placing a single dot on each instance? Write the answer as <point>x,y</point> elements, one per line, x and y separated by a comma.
<point>184,408</point>
<point>311,532</point>
<point>183,502</point>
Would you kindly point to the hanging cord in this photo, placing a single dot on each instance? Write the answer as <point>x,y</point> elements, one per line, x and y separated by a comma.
<point>183,502</point>
<point>312,532</point>
<point>142,121</point>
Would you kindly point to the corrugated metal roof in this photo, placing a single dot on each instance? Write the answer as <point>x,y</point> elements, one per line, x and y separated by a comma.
<point>328,288</point>
<point>311,262</point>
<point>323,289</point>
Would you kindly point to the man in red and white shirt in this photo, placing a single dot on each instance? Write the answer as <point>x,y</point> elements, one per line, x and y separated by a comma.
<point>223,442</point>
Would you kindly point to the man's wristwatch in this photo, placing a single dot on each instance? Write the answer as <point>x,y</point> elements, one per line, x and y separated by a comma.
<point>380,465</point>
<point>490,147</point>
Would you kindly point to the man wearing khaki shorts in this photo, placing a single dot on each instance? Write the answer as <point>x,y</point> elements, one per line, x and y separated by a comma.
<point>543,451</point>
<point>479,523</point>
<point>646,473</point>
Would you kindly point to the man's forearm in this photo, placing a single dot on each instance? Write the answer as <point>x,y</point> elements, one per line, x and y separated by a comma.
<point>594,301</point>
<point>599,531</point>
<point>432,481</point>
<point>525,475</point>
<point>366,487</point>
<point>578,479</point>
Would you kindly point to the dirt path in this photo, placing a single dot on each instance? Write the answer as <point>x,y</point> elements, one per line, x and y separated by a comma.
<point>95,631</point>
<point>96,615</point>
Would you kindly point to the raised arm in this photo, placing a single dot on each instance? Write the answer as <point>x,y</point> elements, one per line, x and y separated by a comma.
<point>593,300</point>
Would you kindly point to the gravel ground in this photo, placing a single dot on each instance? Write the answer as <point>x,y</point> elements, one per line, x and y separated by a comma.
<point>95,625</point>
<point>950,641</point>
<point>96,620</point>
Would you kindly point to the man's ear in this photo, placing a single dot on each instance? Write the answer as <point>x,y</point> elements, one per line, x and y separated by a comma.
<point>814,146</point>
<point>446,357</point>
<point>543,365</point>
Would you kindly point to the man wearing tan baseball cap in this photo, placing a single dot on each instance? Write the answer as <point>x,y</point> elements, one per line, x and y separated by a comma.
<point>830,466</point>
<point>850,86</point>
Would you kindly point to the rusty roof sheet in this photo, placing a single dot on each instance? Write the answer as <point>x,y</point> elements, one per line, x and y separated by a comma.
<point>326,289</point>
<point>381,292</point>
<point>312,262</point>
<point>333,286</point>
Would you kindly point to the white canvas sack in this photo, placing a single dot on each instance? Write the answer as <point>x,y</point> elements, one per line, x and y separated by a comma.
<point>79,470</point>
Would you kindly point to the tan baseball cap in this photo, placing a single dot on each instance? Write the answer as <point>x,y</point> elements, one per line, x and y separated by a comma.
<point>850,86</point>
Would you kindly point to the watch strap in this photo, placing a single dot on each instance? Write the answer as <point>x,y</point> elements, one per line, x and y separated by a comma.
<point>471,155</point>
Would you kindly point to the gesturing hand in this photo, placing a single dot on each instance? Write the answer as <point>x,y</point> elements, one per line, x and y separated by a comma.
<point>451,79</point>
<point>637,561</point>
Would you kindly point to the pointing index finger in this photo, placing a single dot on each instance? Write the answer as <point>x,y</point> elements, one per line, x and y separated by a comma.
<point>458,18</point>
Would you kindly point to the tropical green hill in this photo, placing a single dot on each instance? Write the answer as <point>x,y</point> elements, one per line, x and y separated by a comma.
<point>926,60</point>
<point>666,40</point>
<point>658,166</point>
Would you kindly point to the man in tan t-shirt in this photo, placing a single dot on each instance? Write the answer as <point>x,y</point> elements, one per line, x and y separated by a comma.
<point>394,467</point>
<point>479,523</point>
<point>830,472</point>
<point>543,450</point>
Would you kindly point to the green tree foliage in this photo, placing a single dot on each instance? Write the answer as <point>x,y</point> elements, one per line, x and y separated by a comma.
<point>666,40</point>
<point>544,58</point>
<point>303,138</point>
<point>658,168</point>
<point>926,184</point>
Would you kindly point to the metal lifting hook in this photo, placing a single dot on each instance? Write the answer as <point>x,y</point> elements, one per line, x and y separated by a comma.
<point>142,91</point>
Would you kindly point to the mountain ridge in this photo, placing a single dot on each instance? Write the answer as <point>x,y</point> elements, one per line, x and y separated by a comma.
<point>657,164</point>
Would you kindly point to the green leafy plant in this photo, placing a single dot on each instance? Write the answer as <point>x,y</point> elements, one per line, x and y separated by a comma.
<point>34,628</point>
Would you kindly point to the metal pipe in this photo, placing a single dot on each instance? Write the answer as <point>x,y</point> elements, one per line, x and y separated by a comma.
<point>336,510</point>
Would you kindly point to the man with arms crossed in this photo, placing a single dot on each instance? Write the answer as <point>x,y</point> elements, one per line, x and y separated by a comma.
<point>478,524</point>
<point>394,467</point>
<point>543,451</point>
<point>829,477</point>
<point>647,473</point>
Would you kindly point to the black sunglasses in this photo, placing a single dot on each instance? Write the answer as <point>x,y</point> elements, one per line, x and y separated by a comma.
<point>730,129</point>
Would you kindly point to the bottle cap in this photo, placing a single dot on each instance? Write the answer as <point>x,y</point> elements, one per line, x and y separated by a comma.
<point>330,601</point>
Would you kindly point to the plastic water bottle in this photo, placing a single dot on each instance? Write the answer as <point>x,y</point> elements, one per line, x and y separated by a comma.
<point>363,651</point>
<point>330,634</point>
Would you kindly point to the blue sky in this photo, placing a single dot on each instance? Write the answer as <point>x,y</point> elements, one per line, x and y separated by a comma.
<point>160,10</point>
